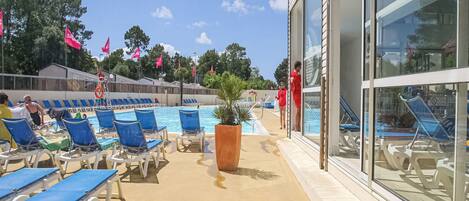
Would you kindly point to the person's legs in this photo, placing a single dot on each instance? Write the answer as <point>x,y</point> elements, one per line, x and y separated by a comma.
<point>282,117</point>
<point>298,119</point>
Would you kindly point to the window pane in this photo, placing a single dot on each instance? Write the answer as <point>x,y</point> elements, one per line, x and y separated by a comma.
<point>313,33</point>
<point>366,41</point>
<point>415,36</point>
<point>311,122</point>
<point>414,131</point>
<point>365,131</point>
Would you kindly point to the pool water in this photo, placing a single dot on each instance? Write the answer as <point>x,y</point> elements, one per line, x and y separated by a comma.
<point>169,117</point>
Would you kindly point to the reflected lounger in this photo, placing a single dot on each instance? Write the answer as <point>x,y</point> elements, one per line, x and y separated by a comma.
<point>26,181</point>
<point>83,185</point>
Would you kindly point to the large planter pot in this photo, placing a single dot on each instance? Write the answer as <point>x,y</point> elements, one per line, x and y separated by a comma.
<point>227,146</point>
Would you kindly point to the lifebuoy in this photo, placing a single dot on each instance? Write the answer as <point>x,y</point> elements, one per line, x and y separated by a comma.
<point>99,91</point>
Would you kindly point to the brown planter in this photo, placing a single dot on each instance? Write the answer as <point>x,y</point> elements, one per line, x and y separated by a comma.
<point>227,146</point>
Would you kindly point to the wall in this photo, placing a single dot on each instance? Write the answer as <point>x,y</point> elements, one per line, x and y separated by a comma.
<point>350,72</point>
<point>172,99</point>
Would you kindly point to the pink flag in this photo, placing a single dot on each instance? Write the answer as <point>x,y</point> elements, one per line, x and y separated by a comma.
<point>106,47</point>
<point>159,61</point>
<point>70,40</point>
<point>194,71</point>
<point>136,54</point>
<point>1,23</point>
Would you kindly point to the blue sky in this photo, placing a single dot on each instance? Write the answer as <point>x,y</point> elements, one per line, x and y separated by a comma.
<point>189,26</point>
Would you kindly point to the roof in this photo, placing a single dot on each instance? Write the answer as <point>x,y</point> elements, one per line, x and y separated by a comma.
<point>147,80</point>
<point>72,70</point>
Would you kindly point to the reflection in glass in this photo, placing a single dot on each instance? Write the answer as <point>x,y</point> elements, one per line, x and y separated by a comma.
<point>312,116</point>
<point>414,133</point>
<point>415,36</point>
<point>365,131</point>
<point>366,42</point>
<point>313,33</point>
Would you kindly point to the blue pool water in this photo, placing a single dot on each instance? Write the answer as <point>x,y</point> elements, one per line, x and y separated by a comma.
<point>169,117</point>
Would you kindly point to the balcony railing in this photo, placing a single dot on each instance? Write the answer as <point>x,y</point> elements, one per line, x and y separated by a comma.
<point>41,83</point>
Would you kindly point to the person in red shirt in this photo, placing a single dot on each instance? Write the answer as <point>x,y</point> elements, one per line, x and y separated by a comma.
<point>295,83</point>
<point>282,101</point>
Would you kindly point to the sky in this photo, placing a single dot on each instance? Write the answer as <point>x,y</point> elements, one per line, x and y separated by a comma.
<point>195,26</point>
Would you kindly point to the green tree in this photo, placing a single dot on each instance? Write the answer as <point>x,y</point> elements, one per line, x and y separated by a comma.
<point>212,81</point>
<point>110,62</point>
<point>121,69</point>
<point>34,32</point>
<point>235,61</point>
<point>136,37</point>
<point>206,61</point>
<point>281,73</point>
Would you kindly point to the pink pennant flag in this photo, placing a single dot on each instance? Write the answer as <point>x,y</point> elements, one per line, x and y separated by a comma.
<point>70,40</point>
<point>1,23</point>
<point>159,61</point>
<point>194,71</point>
<point>106,47</point>
<point>136,54</point>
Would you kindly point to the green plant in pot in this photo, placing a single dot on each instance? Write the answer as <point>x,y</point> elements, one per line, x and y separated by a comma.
<point>231,116</point>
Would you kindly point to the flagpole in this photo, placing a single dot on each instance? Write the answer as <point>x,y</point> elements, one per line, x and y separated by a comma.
<point>65,52</point>
<point>3,65</point>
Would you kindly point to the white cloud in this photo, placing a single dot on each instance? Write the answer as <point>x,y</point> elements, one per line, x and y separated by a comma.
<point>169,49</point>
<point>280,5</point>
<point>163,12</point>
<point>239,6</point>
<point>203,39</point>
<point>199,24</point>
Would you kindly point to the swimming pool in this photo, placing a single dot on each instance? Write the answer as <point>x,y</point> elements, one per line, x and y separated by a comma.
<point>169,117</point>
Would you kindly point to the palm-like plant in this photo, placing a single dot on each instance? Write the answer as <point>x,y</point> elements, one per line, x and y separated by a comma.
<point>230,91</point>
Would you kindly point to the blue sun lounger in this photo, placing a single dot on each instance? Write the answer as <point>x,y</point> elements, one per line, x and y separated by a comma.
<point>10,104</point>
<point>135,146</point>
<point>148,122</point>
<point>83,185</point>
<point>85,106</point>
<point>46,104</point>
<point>26,181</point>
<point>190,126</point>
<point>28,144</point>
<point>349,126</point>
<point>106,119</point>
<point>84,145</point>
<point>57,104</point>
<point>434,132</point>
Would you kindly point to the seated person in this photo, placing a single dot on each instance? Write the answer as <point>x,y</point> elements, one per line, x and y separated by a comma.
<point>35,110</point>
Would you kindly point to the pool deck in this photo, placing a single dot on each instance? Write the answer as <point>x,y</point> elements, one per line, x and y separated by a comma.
<point>263,173</point>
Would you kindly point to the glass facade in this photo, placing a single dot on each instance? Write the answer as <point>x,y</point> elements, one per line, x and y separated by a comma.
<point>313,33</point>
<point>311,118</point>
<point>419,141</point>
<point>414,131</point>
<point>415,36</point>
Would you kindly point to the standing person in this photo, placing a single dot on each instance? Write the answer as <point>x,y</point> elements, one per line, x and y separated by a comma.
<point>295,80</point>
<point>282,101</point>
<point>35,110</point>
<point>5,112</point>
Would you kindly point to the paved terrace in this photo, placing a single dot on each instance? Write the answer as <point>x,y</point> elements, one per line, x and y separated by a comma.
<point>263,174</point>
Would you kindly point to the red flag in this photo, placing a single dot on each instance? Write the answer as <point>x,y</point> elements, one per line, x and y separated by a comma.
<point>106,47</point>
<point>194,71</point>
<point>136,54</point>
<point>70,40</point>
<point>1,23</point>
<point>159,61</point>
